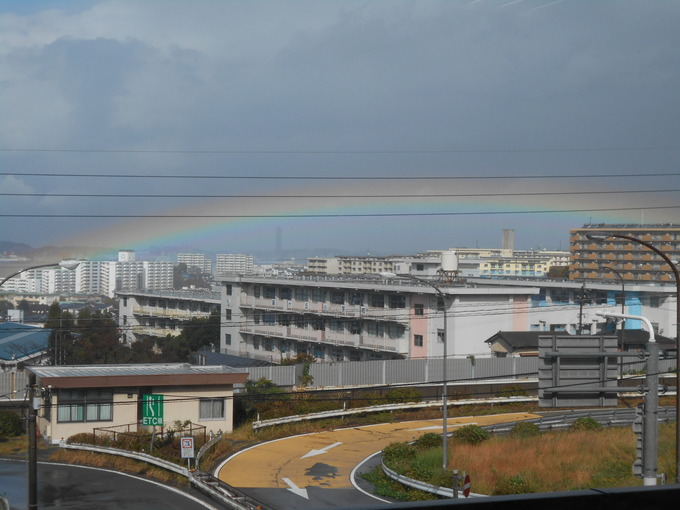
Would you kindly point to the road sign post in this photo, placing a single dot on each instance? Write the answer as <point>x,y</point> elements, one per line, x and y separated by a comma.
<point>152,410</point>
<point>466,486</point>
<point>187,449</point>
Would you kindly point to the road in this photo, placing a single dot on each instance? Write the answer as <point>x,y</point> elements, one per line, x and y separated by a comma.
<point>314,470</point>
<point>63,486</point>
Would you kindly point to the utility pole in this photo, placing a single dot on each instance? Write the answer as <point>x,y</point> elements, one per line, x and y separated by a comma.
<point>583,295</point>
<point>32,447</point>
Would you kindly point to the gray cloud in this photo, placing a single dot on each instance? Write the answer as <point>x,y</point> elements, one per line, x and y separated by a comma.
<point>338,76</point>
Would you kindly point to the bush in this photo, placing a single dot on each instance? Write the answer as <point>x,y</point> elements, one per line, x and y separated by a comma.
<point>10,424</point>
<point>514,485</point>
<point>397,452</point>
<point>471,434</point>
<point>585,423</point>
<point>429,440</point>
<point>403,395</point>
<point>525,429</point>
<point>82,438</point>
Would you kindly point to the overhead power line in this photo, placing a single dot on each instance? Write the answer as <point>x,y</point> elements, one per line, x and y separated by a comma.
<point>342,177</point>
<point>348,215</point>
<point>341,152</point>
<point>385,195</point>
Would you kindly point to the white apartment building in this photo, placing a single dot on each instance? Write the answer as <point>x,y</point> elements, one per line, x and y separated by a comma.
<point>146,313</point>
<point>199,260</point>
<point>354,319</point>
<point>233,263</point>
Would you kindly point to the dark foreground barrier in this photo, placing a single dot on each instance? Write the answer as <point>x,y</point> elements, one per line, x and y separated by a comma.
<point>628,498</point>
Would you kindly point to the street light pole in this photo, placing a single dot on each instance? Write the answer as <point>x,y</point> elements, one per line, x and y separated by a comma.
<point>442,296</point>
<point>601,236</point>
<point>32,457</point>
<point>623,311</point>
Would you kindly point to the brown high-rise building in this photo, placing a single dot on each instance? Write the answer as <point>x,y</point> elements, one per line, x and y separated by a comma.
<point>634,262</point>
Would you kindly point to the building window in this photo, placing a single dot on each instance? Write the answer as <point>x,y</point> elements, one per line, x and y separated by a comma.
<point>318,295</point>
<point>356,298</point>
<point>84,406</point>
<point>440,335</point>
<point>256,291</point>
<point>211,409</point>
<point>286,293</point>
<point>337,297</point>
<point>228,289</point>
<point>418,340</point>
<point>301,294</point>
<point>227,339</point>
<point>377,300</point>
<point>397,301</point>
<point>227,314</point>
<point>418,309</point>
<point>270,293</point>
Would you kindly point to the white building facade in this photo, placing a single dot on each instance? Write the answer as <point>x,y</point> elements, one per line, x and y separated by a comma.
<point>233,263</point>
<point>355,319</point>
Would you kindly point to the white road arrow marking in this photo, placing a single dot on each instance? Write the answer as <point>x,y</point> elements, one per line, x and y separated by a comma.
<point>312,453</point>
<point>295,489</point>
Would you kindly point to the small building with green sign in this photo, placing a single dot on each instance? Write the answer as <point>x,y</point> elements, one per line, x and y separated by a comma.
<point>77,399</point>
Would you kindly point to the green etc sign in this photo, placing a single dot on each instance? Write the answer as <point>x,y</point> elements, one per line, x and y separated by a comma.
<point>152,410</point>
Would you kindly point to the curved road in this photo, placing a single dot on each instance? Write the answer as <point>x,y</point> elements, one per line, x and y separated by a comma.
<point>315,469</point>
<point>74,487</point>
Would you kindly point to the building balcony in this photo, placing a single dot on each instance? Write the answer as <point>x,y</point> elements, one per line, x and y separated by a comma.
<point>174,313</point>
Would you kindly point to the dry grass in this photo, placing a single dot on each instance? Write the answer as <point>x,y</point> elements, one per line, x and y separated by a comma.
<point>556,461</point>
<point>121,464</point>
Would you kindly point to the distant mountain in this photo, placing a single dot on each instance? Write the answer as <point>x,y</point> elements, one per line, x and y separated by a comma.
<point>15,248</point>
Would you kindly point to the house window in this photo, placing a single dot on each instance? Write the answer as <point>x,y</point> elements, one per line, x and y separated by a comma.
<point>84,406</point>
<point>418,309</point>
<point>211,409</point>
<point>418,340</point>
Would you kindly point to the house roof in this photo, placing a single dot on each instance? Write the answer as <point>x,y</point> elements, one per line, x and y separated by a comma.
<point>19,340</point>
<point>148,374</point>
<point>217,358</point>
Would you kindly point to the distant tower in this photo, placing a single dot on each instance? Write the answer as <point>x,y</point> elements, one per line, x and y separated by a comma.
<point>508,239</point>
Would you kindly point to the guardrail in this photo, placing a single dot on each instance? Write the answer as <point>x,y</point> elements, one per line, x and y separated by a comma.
<point>258,424</point>
<point>204,482</point>
<point>444,492</point>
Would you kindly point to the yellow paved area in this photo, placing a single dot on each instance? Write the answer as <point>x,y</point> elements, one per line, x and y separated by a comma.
<point>326,459</point>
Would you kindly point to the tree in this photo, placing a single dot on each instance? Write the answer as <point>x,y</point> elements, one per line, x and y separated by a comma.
<point>558,272</point>
<point>60,343</point>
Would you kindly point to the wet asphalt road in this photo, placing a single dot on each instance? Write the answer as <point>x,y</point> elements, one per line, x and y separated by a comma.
<point>75,487</point>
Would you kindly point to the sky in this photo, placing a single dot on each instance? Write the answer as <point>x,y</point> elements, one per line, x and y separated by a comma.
<point>337,126</point>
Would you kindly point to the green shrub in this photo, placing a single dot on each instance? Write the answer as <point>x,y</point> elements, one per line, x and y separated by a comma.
<point>397,452</point>
<point>525,429</point>
<point>429,440</point>
<point>10,424</point>
<point>512,391</point>
<point>471,434</point>
<point>403,395</point>
<point>585,423</point>
<point>514,485</point>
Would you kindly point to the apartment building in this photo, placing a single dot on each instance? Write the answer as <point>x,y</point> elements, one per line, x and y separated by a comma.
<point>233,263</point>
<point>198,260</point>
<point>599,260</point>
<point>146,313</point>
<point>354,319</point>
